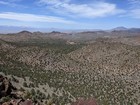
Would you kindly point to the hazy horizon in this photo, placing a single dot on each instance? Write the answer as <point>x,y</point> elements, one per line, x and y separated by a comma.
<point>16,29</point>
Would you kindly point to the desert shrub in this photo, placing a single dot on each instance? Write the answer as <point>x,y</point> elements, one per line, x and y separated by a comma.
<point>25,84</point>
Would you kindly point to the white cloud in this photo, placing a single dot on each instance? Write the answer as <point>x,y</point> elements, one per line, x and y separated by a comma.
<point>33,18</point>
<point>5,3</point>
<point>134,1</point>
<point>11,3</point>
<point>96,9</point>
<point>134,10</point>
<point>135,13</point>
<point>14,0</point>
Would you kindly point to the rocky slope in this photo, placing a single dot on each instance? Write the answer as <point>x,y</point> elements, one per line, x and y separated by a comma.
<point>107,70</point>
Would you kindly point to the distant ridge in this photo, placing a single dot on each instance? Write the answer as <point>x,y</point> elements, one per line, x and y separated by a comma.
<point>120,28</point>
<point>18,29</point>
<point>24,32</point>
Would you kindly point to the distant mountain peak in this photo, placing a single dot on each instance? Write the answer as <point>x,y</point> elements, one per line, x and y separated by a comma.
<point>56,32</point>
<point>120,28</point>
<point>24,32</point>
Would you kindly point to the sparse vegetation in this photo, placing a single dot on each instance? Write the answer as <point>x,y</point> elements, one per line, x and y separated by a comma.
<point>107,71</point>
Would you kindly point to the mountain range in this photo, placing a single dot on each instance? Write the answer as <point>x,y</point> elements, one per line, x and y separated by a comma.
<point>15,29</point>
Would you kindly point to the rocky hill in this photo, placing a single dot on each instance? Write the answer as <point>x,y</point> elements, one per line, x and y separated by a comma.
<point>106,69</point>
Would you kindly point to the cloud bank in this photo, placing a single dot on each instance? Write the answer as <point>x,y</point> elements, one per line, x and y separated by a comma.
<point>33,18</point>
<point>134,11</point>
<point>93,10</point>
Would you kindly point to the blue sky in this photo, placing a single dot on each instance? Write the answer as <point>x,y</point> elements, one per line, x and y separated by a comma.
<point>70,14</point>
